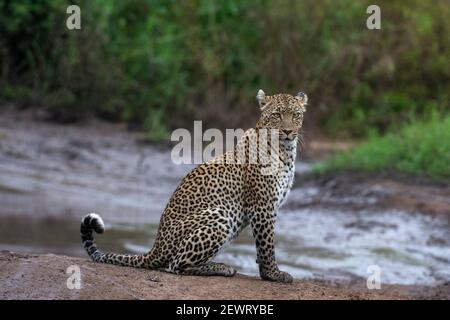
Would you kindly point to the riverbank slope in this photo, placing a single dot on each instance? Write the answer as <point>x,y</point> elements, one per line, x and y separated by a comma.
<point>24,276</point>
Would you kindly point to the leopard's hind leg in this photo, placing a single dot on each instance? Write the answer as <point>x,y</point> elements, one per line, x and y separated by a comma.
<point>200,246</point>
<point>209,269</point>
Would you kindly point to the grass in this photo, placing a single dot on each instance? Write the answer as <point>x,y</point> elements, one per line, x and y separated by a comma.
<point>420,148</point>
<point>159,64</point>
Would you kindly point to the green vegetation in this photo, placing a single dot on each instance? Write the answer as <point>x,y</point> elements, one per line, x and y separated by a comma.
<point>420,148</point>
<point>158,64</point>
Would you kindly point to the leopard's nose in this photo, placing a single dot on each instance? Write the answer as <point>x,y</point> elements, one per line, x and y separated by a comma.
<point>287,132</point>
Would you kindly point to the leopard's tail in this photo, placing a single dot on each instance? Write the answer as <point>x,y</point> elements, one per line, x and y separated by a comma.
<point>93,222</point>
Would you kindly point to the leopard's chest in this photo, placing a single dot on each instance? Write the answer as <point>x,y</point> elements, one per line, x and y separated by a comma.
<point>284,183</point>
<point>272,185</point>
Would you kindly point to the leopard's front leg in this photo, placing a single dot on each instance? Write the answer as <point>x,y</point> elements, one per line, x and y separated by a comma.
<point>263,227</point>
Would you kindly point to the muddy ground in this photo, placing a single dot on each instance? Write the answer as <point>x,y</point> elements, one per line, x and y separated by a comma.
<point>102,167</point>
<point>27,276</point>
<point>65,171</point>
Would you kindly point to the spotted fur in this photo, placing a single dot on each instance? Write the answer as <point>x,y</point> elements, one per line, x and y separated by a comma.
<point>218,199</point>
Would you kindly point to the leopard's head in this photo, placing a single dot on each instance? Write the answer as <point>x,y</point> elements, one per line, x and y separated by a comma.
<point>283,112</point>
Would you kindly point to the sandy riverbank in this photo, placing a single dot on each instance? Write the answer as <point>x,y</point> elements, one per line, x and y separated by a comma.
<point>25,276</point>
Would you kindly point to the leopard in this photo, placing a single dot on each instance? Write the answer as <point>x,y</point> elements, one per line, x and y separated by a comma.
<point>221,197</point>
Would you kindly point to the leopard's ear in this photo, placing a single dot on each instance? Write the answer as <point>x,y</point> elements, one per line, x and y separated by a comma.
<point>261,98</point>
<point>303,98</point>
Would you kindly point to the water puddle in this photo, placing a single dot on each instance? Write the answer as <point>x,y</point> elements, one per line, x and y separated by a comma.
<point>408,248</point>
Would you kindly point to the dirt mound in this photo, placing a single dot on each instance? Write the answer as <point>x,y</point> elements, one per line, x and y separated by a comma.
<point>45,277</point>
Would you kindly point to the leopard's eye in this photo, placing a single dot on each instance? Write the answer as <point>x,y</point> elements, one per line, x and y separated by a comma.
<point>297,115</point>
<point>276,115</point>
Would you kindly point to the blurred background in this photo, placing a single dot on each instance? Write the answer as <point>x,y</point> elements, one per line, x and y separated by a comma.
<point>82,112</point>
<point>160,64</point>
